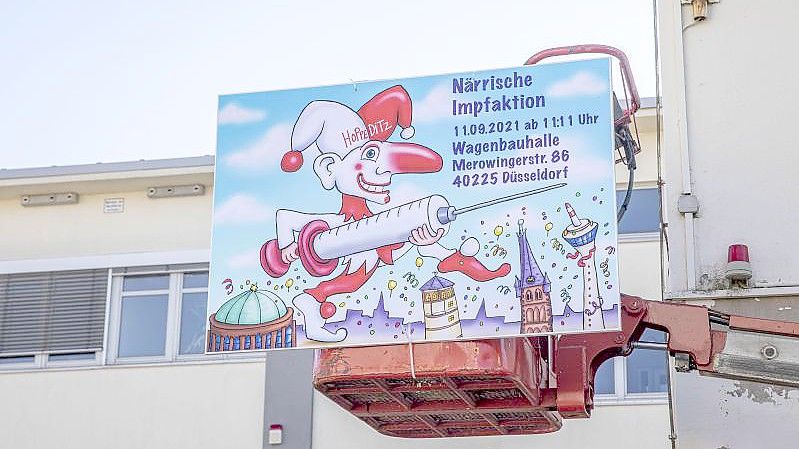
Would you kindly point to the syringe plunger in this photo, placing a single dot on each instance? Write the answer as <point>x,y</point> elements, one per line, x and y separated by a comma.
<point>446,214</point>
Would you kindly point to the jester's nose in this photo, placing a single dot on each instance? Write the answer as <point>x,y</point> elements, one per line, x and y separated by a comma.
<point>411,158</point>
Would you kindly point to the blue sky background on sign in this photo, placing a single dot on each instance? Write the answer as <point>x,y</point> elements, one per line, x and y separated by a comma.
<point>255,130</point>
<point>116,81</point>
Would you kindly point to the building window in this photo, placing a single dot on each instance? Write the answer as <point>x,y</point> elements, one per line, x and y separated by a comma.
<point>144,308</point>
<point>604,380</point>
<point>641,376</point>
<point>646,368</point>
<point>52,318</point>
<point>192,313</point>
<point>158,314</point>
<point>16,361</point>
<point>71,357</point>
<point>643,215</point>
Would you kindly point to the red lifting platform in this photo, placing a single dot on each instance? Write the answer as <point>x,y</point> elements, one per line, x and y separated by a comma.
<point>516,386</point>
<point>488,387</point>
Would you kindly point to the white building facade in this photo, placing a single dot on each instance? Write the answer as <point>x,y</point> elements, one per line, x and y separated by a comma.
<point>728,157</point>
<point>129,254</point>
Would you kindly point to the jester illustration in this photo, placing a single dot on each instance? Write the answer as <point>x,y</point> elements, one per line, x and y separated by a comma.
<point>352,154</point>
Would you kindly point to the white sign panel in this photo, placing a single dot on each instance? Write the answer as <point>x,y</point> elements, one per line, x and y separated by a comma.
<point>461,206</point>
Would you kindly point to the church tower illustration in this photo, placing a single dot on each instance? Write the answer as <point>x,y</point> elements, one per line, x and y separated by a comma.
<point>532,289</point>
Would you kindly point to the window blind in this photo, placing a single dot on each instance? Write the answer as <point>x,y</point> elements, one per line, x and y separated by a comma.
<point>60,311</point>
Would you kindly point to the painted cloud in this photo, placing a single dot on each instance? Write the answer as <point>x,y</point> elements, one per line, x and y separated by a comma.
<point>264,152</point>
<point>581,83</point>
<point>242,208</point>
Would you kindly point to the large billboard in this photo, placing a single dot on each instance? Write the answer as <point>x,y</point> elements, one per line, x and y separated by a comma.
<point>460,206</point>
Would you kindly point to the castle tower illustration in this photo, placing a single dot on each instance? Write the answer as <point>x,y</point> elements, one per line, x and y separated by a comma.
<point>532,289</point>
<point>580,234</point>
<point>441,317</point>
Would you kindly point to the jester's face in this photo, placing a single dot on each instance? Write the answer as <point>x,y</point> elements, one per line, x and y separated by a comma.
<point>365,172</point>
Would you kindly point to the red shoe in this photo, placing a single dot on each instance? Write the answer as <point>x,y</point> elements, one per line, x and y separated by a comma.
<point>471,267</point>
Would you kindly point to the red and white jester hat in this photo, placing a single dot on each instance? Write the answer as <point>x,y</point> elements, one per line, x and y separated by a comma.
<point>335,128</point>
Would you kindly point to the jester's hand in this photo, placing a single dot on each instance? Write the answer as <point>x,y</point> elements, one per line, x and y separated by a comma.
<point>423,236</point>
<point>290,253</point>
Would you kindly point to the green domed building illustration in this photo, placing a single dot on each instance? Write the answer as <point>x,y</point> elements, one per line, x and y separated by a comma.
<point>253,319</point>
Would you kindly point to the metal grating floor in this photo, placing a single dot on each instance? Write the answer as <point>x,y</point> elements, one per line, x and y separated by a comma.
<point>491,393</point>
<point>443,407</point>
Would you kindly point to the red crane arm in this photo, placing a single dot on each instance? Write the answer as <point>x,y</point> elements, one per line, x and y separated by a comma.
<point>739,347</point>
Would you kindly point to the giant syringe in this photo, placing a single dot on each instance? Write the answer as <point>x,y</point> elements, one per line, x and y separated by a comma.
<point>320,246</point>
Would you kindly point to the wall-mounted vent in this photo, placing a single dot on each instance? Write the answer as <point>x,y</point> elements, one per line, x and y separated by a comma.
<point>49,199</point>
<point>173,191</point>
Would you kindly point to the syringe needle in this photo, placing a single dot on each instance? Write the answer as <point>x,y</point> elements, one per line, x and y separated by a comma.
<point>506,198</point>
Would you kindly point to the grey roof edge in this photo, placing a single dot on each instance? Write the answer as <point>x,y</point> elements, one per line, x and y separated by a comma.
<point>107,167</point>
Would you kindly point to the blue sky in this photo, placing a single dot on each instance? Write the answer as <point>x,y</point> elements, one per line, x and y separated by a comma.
<point>254,132</point>
<point>94,81</point>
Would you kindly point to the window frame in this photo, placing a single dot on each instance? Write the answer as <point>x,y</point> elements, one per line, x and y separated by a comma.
<point>638,190</point>
<point>174,310</point>
<point>173,320</point>
<point>621,396</point>
<point>650,351</point>
<point>41,359</point>
<point>120,266</point>
<point>117,296</point>
<point>37,362</point>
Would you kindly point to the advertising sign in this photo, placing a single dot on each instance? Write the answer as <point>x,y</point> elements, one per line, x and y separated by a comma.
<point>461,206</point>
